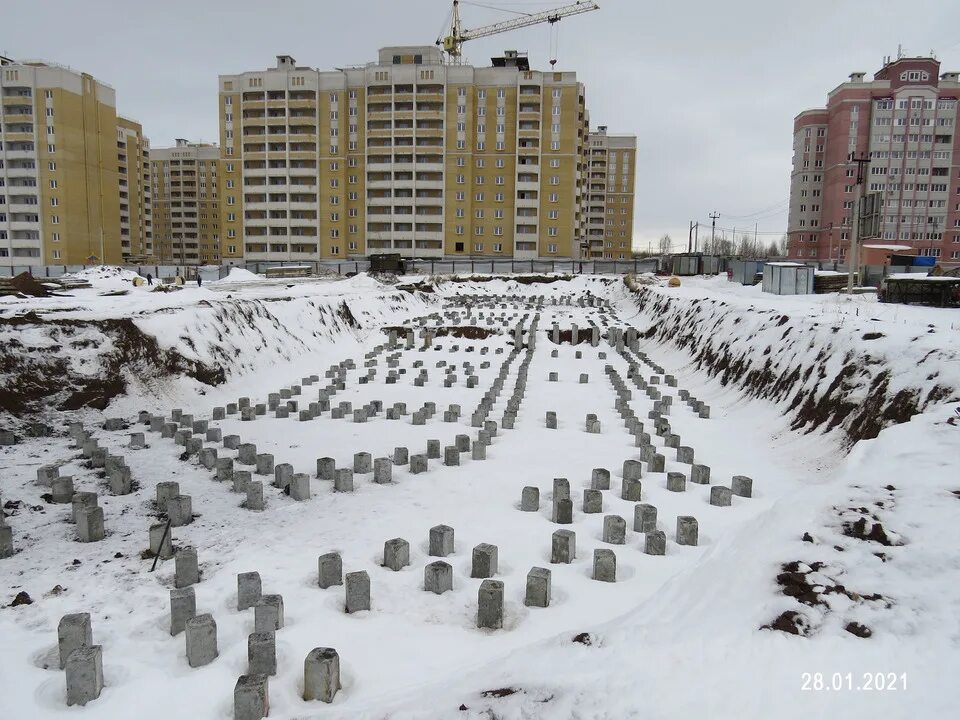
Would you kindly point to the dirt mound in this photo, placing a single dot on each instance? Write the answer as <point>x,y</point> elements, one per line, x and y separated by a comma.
<point>522,279</point>
<point>24,284</point>
<point>420,286</point>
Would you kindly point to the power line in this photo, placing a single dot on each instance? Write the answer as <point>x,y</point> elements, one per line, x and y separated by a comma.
<point>774,209</point>
<point>760,232</point>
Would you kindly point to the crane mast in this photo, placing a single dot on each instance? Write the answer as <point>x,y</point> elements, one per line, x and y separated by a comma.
<point>452,44</point>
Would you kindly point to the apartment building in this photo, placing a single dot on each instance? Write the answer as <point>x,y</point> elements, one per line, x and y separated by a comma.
<point>61,173</point>
<point>905,121</point>
<point>612,162</point>
<point>136,206</point>
<point>405,154</point>
<point>186,203</point>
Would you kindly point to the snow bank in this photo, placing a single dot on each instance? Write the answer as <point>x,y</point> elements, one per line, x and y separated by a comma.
<point>105,277</point>
<point>828,360</point>
<point>239,275</point>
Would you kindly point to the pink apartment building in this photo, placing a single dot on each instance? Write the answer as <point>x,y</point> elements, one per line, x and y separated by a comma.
<point>905,121</point>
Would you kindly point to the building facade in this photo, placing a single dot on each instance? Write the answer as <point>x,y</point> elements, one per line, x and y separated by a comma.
<point>186,203</point>
<point>611,167</point>
<point>136,202</point>
<point>404,155</point>
<point>64,169</point>
<point>905,123</point>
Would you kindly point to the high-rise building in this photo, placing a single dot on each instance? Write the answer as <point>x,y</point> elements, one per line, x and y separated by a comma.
<point>186,203</point>
<point>905,121</point>
<point>60,168</point>
<point>136,207</point>
<point>406,154</point>
<point>610,190</point>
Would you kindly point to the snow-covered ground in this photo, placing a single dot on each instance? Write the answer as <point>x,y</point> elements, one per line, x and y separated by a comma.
<point>676,636</point>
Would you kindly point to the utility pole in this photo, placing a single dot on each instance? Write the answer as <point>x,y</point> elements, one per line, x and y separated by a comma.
<point>690,238</point>
<point>853,262</point>
<point>696,236</point>
<point>713,229</point>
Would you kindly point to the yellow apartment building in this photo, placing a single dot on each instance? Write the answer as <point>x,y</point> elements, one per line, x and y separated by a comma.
<point>65,171</point>
<point>186,203</point>
<point>406,154</point>
<point>610,195</point>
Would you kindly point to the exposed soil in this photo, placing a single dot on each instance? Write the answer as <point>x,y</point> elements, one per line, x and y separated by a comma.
<point>795,581</point>
<point>860,531</point>
<point>468,332</point>
<point>421,286</point>
<point>521,279</point>
<point>500,692</point>
<point>835,403</point>
<point>583,639</point>
<point>22,598</point>
<point>25,284</point>
<point>789,621</point>
<point>344,313</point>
<point>859,630</point>
<point>36,377</point>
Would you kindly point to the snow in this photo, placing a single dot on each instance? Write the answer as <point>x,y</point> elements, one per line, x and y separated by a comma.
<point>105,277</point>
<point>676,636</point>
<point>239,275</point>
<point>921,278</point>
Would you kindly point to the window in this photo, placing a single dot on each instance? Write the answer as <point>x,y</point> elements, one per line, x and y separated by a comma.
<point>459,231</point>
<point>56,254</point>
<point>53,184</point>
<point>551,248</point>
<point>552,231</point>
<point>56,237</point>
<point>54,219</point>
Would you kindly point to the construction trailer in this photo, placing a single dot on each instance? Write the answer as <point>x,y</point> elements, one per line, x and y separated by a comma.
<point>788,278</point>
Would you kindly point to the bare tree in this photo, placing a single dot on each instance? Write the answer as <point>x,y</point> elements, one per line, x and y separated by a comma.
<point>723,246</point>
<point>666,245</point>
<point>773,250</point>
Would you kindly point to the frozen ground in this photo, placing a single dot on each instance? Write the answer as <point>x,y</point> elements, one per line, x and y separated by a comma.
<point>676,636</point>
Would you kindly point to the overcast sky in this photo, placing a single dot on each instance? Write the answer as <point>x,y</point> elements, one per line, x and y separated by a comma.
<point>709,88</point>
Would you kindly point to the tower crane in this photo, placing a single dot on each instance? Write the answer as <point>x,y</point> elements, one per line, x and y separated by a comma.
<point>452,44</point>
